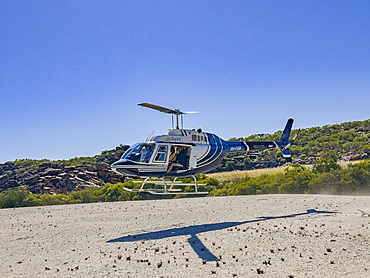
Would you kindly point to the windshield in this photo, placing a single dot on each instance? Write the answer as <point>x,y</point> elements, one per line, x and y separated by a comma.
<point>140,152</point>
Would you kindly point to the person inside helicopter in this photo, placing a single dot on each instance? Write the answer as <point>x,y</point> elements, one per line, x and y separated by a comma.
<point>140,152</point>
<point>146,153</point>
<point>182,158</point>
<point>173,158</point>
<point>179,158</point>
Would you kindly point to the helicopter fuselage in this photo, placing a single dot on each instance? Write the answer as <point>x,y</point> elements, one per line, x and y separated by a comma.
<point>201,152</point>
<point>184,152</point>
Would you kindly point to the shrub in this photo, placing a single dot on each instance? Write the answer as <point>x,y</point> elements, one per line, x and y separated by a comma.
<point>12,198</point>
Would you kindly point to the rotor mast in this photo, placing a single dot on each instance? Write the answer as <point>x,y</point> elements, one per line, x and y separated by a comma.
<point>177,118</point>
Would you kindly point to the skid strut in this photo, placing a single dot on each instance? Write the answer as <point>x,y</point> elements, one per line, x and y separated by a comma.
<point>170,190</point>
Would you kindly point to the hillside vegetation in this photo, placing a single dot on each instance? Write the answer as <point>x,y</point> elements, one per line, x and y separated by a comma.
<point>30,182</point>
<point>326,177</point>
<point>350,141</point>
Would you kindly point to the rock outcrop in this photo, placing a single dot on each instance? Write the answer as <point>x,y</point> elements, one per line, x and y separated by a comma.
<point>354,157</point>
<point>56,178</point>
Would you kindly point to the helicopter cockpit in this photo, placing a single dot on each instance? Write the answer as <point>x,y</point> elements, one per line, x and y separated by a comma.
<point>140,152</point>
<point>143,153</point>
<point>173,154</point>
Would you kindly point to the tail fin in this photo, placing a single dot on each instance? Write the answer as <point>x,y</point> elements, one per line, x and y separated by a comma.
<point>286,133</point>
<point>284,142</point>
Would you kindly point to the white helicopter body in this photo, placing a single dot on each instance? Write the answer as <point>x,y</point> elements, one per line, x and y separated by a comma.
<point>200,152</point>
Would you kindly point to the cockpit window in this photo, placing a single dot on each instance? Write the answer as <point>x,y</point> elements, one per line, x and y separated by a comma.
<point>141,152</point>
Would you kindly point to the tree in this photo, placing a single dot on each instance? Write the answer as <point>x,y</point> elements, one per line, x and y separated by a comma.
<point>327,162</point>
<point>12,198</point>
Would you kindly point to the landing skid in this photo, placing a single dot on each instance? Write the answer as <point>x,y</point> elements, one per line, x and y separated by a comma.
<point>170,190</point>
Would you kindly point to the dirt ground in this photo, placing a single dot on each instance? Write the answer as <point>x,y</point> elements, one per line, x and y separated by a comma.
<point>242,236</point>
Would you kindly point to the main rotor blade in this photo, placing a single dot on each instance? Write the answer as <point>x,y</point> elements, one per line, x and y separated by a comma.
<point>161,109</point>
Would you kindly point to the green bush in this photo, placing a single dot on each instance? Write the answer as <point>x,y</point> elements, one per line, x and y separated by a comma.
<point>327,162</point>
<point>326,178</point>
<point>12,198</point>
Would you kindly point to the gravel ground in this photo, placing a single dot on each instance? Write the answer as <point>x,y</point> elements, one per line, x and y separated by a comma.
<point>241,236</point>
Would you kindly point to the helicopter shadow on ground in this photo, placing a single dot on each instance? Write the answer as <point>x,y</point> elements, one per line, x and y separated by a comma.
<point>192,231</point>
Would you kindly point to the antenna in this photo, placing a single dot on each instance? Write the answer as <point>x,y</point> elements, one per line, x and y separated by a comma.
<point>150,136</point>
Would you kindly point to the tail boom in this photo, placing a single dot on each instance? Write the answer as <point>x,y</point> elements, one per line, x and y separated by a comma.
<point>283,144</point>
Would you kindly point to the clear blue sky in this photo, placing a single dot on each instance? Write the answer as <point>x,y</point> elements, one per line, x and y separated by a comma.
<point>73,72</point>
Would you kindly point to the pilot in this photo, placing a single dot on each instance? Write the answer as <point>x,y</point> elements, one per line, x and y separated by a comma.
<point>146,153</point>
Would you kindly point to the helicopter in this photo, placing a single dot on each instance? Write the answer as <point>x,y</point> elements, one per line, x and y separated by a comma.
<point>184,152</point>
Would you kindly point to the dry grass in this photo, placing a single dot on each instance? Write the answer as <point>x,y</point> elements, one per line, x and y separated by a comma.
<point>238,174</point>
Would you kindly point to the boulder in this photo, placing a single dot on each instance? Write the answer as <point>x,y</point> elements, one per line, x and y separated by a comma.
<point>88,168</point>
<point>83,176</point>
<point>46,165</point>
<point>52,172</point>
<point>92,174</point>
<point>12,183</point>
<point>31,180</point>
<point>107,174</point>
<point>4,179</point>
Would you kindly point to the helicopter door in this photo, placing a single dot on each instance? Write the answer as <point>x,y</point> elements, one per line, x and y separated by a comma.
<point>192,159</point>
<point>182,158</point>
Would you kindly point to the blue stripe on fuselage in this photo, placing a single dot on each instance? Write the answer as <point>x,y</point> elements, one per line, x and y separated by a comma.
<point>216,148</point>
